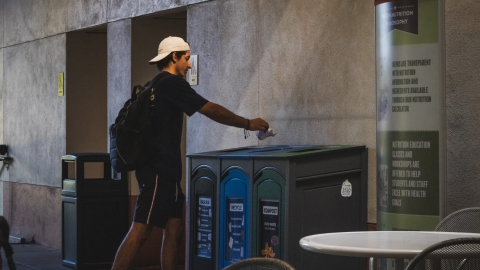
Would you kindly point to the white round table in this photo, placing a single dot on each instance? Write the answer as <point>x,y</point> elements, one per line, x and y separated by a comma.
<point>377,244</point>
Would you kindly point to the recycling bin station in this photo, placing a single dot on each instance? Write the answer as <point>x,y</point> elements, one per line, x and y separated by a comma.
<point>260,201</point>
<point>94,211</point>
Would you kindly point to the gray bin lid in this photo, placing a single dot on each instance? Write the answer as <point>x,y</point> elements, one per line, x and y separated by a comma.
<point>274,151</point>
<point>85,157</point>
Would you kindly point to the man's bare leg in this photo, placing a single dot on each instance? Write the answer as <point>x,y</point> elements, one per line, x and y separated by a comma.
<point>171,243</point>
<point>134,239</point>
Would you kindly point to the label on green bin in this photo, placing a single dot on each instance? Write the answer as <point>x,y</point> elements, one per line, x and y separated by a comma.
<point>236,229</point>
<point>204,227</point>
<point>269,246</point>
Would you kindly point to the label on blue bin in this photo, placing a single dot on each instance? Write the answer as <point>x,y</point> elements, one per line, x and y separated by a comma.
<point>236,229</point>
<point>270,240</point>
<point>204,227</point>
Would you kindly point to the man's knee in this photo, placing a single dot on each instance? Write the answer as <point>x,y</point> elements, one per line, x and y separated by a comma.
<point>140,231</point>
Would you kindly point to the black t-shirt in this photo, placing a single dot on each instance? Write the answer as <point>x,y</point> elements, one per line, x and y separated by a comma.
<point>173,98</point>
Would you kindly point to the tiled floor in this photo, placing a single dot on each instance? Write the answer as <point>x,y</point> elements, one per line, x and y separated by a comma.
<point>32,256</point>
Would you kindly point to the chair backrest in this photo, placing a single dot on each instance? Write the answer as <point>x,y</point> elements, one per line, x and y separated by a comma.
<point>464,220</point>
<point>455,254</point>
<point>260,263</point>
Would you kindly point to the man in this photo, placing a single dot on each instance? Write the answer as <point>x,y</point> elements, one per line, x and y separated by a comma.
<point>161,199</point>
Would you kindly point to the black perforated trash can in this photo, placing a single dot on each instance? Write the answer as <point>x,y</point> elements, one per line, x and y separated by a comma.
<point>94,211</point>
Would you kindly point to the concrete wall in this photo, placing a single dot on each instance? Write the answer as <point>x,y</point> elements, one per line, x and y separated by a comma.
<point>133,8</point>
<point>305,66</point>
<point>119,66</point>
<point>463,103</point>
<point>34,116</point>
<point>1,96</point>
<point>2,173</point>
<point>34,129</point>
<point>1,22</point>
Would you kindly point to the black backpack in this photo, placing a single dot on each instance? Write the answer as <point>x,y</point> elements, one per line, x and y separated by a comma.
<point>131,136</point>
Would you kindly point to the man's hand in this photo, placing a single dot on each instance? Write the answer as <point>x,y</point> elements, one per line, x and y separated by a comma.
<point>258,124</point>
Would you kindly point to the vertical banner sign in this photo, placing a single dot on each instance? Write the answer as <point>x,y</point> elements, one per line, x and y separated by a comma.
<point>269,246</point>
<point>236,230</point>
<point>410,114</point>
<point>204,227</point>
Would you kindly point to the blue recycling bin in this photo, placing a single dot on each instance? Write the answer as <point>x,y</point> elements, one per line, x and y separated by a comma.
<point>235,215</point>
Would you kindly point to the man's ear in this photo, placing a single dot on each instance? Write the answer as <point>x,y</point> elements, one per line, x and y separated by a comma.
<point>174,57</point>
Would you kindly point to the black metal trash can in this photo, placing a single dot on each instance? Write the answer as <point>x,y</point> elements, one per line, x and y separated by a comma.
<point>94,211</point>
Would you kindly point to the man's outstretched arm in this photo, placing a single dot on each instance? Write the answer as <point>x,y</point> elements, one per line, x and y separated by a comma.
<point>222,115</point>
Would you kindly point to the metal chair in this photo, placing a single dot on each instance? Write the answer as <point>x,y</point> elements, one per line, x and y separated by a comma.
<point>455,254</point>
<point>260,263</point>
<point>464,220</point>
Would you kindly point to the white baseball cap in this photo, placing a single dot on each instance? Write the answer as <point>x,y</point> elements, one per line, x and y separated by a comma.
<point>168,45</point>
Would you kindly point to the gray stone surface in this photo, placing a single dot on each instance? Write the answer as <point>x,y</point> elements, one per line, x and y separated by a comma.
<point>34,204</point>
<point>149,6</point>
<point>27,20</point>
<point>122,9</point>
<point>1,22</point>
<point>227,53</point>
<point>1,200</point>
<point>35,119</point>
<point>119,66</point>
<point>4,172</point>
<point>463,103</point>
<point>85,13</point>
<point>316,82</point>
<point>296,64</point>
<point>1,96</point>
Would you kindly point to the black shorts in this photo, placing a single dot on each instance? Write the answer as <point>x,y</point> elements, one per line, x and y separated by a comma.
<point>159,199</point>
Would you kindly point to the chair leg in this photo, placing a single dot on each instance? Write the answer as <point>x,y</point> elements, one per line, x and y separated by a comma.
<point>371,263</point>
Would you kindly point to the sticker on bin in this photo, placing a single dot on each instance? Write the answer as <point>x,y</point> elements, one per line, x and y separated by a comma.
<point>204,226</point>
<point>346,189</point>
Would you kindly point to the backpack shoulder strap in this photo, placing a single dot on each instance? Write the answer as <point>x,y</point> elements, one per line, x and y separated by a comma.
<point>135,91</point>
<point>157,78</point>
<point>139,88</point>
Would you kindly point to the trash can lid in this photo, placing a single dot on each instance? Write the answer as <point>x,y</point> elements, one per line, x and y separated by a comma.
<point>308,151</point>
<point>87,157</point>
<point>236,152</point>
